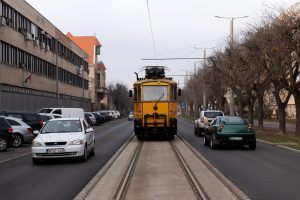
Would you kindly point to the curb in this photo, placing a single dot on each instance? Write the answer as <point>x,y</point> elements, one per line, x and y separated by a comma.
<point>278,145</point>
<point>84,193</point>
<point>223,179</point>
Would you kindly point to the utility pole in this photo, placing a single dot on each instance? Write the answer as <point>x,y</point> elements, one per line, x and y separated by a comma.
<point>230,92</point>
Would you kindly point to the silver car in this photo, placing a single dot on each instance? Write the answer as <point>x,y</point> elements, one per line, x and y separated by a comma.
<point>22,132</point>
<point>64,138</point>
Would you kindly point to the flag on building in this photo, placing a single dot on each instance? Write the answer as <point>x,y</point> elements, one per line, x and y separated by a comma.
<point>28,78</point>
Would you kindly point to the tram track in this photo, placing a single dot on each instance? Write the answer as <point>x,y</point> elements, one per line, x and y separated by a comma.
<point>162,169</point>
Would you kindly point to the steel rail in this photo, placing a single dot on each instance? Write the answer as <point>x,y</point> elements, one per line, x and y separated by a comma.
<point>227,183</point>
<point>195,184</point>
<point>123,186</point>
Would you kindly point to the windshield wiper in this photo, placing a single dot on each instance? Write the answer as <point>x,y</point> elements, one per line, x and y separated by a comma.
<point>155,105</point>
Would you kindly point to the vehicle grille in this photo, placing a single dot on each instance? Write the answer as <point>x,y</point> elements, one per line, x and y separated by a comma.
<point>56,154</point>
<point>55,143</point>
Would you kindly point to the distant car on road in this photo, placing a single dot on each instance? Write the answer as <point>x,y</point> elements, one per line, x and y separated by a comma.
<point>22,132</point>
<point>229,130</point>
<point>64,138</point>
<point>64,112</point>
<point>6,134</point>
<point>205,119</point>
<point>130,116</point>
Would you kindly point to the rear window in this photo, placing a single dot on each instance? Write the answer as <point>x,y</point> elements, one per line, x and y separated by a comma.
<point>45,118</point>
<point>30,118</point>
<point>13,122</point>
<point>233,120</point>
<point>212,114</point>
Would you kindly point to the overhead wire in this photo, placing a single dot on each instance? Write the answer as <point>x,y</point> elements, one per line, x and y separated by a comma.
<point>154,47</point>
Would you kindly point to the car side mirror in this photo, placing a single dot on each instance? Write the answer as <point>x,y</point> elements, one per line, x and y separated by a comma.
<point>179,92</point>
<point>130,93</point>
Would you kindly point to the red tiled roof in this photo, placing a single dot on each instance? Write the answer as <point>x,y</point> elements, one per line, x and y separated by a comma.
<point>86,43</point>
<point>101,66</point>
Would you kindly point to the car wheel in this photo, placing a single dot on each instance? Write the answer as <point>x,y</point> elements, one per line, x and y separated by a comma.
<point>212,143</point>
<point>252,146</point>
<point>205,141</point>
<point>84,157</point>
<point>18,139</point>
<point>3,144</point>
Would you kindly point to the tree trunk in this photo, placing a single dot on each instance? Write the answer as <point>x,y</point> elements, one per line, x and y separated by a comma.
<point>250,107</point>
<point>240,107</point>
<point>282,120</point>
<point>297,102</point>
<point>260,111</point>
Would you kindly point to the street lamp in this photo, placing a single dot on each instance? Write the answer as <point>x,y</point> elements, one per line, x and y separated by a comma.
<point>231,99</point>
<point>204,65</point>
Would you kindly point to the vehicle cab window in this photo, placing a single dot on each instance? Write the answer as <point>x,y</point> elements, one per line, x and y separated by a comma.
<point>214,122</point>
<point>58,111</point>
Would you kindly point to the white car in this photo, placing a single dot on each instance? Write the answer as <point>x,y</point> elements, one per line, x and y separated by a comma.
<point>205,118</point>
<point>64,138</point>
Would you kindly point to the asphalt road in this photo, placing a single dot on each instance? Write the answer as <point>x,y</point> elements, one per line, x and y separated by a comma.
<point>20,179</point>
<point>268,173</point>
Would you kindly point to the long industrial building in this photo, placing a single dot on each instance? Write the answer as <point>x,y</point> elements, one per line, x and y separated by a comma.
<point>39,65</point>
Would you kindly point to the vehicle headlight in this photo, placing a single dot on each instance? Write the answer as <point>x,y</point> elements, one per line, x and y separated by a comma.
<point>76,142</point>
<point>37,144</point>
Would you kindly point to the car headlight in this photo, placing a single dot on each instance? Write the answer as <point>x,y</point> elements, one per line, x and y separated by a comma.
<point>37,144</point>
<point>76,142</point>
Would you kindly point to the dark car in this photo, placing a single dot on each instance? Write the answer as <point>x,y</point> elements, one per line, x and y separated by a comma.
<point>107,116</point>
<point>32,119</point>
<point>229,130</point>
<point>6,134</point>
<point>88,119</point>
<point>99,118</point>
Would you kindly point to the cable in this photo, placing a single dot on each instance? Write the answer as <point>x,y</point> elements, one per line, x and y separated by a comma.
<point>151,30</point>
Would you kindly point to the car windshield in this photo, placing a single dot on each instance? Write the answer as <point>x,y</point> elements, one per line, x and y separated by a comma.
<point>62,126</point>
<point>233,120</point>
<point>212,114</point>
<point>155,93</point>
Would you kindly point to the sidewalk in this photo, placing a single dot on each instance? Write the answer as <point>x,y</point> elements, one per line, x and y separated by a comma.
<point>275,125</point>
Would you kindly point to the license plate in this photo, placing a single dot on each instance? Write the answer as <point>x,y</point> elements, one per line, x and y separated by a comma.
<point>235,138</point>
<point>55,150</point>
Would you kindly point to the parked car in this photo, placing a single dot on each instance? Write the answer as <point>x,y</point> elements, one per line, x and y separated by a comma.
<point>87,118</point>
<point>6,134</point>
<point>64,138</point>
<point>92,118</point>
<point>64,112</point>
<point>99,118</point>
<point>229,130</point>
<point>22,132</point>
<point>204,120</point>
<point>130,116</point>
<point>107,115</point>
<point>32,119</point>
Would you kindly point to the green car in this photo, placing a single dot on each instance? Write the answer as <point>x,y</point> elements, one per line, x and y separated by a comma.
<point>229,130</point>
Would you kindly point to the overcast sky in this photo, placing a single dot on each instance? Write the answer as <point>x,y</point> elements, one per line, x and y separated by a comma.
<point>123,28</point>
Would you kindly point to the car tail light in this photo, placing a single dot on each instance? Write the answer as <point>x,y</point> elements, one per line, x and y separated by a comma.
<point>202,119</point>
<point>250,128</point>
<point>10,130</point>
<point>29,129</point>
<point>221,127</point>
<point>41,123</point>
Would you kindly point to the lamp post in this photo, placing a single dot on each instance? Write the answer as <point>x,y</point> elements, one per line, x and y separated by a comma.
<point>231,99</point>
<point>204,65</point>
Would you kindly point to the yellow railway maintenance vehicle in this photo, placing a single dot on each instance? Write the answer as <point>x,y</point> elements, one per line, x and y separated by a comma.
<point>155,104</point>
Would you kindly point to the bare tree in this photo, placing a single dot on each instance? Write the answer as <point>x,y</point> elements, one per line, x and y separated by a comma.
<point>119,96</point>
